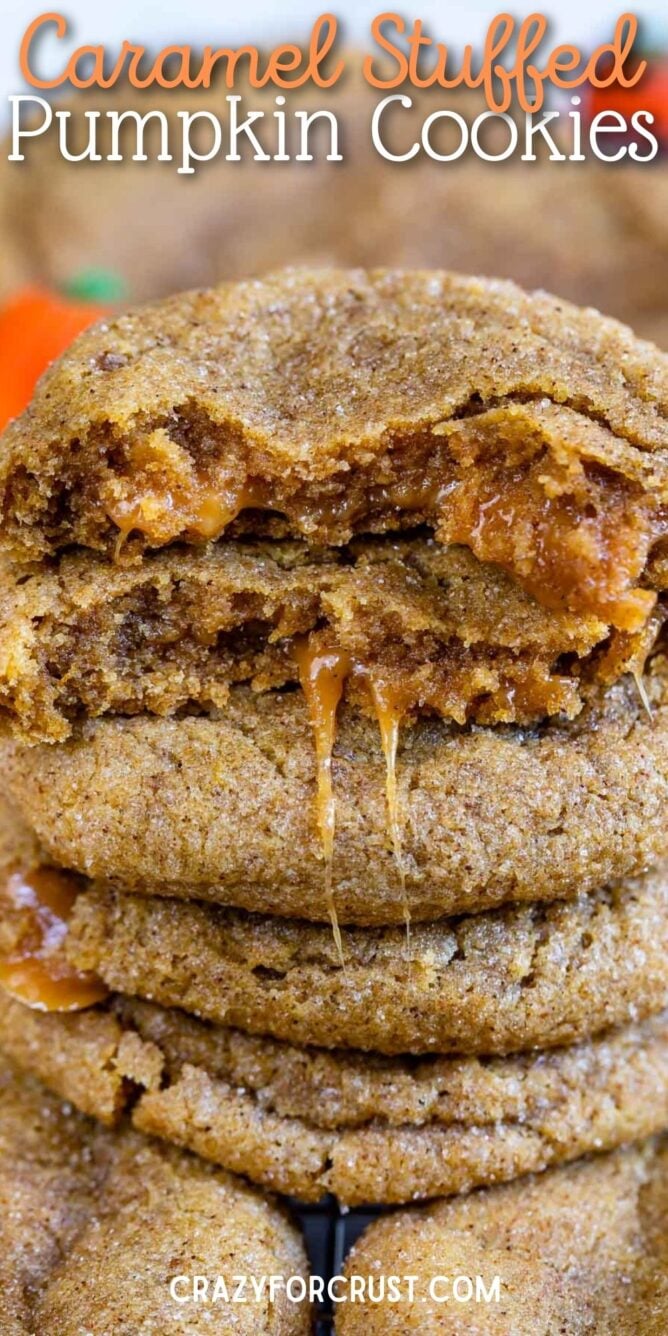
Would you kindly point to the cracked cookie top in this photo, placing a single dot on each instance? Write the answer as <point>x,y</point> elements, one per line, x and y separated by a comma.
<point>322,404</point>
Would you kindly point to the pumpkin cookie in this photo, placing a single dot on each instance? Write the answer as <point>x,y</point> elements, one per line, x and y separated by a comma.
<point>527,429</point>
<point>512,979</point>
<point>78,1206</point>
<point>223,807</point>
<point>577,1250</point>
<point>369,1129</point>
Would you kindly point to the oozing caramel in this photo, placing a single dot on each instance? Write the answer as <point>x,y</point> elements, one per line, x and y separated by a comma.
<point>35,969</point>
<point>198,511</point>
<point>394,691</point>
<point>390,706</point>
<point>570,536</point>
<point>322,674</point>
<point>578,544</point>
<point>389,713</point>
<point>628,652</point>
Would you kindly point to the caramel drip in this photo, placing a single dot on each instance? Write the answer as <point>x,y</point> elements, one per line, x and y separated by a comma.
<point>389,713</point>
<point>628,652</point>
<point>322,673</point>
<point>36,970</point>
<point>642,691</point>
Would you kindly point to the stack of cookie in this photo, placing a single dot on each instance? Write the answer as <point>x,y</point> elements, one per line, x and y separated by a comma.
<point>336,742</point>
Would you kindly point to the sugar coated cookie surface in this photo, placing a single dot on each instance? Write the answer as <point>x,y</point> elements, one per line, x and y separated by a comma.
<point>79,1205</point>
<point>222,806</point>
<point>579,1251</point>
<point>306,1122</point>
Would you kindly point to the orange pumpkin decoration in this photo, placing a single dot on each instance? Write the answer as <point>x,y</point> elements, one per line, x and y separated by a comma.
<point>36,326</point>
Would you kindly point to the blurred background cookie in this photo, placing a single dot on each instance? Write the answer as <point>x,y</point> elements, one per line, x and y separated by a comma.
<point>594,233</point>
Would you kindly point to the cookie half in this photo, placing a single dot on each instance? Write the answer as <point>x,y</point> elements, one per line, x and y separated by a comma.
<point>578,1249</point>
<point>307,1122</point>
<point>416,627</point>
<point>358,401</point>
<point>80,1202</point>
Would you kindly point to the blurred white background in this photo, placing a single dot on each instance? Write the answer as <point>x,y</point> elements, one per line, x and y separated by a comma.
<point>155,25</point>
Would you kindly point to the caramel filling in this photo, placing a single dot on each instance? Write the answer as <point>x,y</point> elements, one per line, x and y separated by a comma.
<point>35,970</point>
<point>204,515</point>
<point>571,536</point>
<point>170,500</point>
<point>584,549</point>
